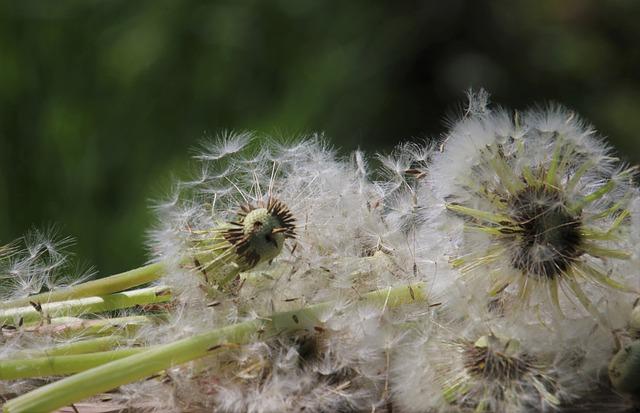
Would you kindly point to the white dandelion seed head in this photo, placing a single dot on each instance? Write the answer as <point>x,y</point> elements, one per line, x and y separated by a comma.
<point>544,206</point>
<point>333,257</point>
<point>37,262</point>
<point>328,199</point>
<point>496,365</point>
<point>408,204</point>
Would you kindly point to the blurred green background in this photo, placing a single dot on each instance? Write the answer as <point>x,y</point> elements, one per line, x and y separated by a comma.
<point>101,100</point>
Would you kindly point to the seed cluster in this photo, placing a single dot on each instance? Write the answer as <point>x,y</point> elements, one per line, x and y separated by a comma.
<point>260,230</point>
<point>549,235</point>
<point>488,363</point>
<point>551,215</point>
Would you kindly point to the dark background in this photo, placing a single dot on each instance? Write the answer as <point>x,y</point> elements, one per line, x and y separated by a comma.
<point>101,100</point>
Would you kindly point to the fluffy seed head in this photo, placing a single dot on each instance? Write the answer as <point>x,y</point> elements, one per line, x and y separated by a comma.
<point>465,366</point>
<point>544,204</point>
<point>256,235</point>
<point>494,359</point>
<point>496,373</point>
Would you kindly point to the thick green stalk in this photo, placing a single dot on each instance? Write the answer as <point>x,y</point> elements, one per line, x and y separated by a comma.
<point>102,286</point>
<point>60,365</point>
<point>78,327</point>
<point>85,305</point>
<point>129,369</point>
<point>92,345</point>
<point>147,363</point>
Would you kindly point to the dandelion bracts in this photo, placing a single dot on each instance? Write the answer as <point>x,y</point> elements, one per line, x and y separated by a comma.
<point>149,362</point>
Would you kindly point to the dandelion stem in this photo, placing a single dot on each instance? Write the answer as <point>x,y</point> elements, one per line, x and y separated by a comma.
<point>92,345</point>
<point>59,365</point>
<point>102,286</point>
<point>85,305</point>
<point>149,362</point>
<point>78,327</point>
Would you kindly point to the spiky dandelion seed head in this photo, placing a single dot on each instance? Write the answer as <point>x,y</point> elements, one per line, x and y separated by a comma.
<point>238,218</point>
<point>497,375</point>
<point>493,365</point>
<point>259,233</point>
<point>227,220</point>
<point>545,206</point>
<point>337,213</point>
<point>256,235</point>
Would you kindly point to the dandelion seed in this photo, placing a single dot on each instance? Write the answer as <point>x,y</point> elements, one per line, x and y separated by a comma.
<point>37,262</point>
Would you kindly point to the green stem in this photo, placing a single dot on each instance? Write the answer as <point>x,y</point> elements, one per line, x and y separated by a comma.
<point>147,363</point>
<point>60,365</point>
<point>102,286</point>
<point>92,345</point>
<point>78,327</point>
<point>126,299</point>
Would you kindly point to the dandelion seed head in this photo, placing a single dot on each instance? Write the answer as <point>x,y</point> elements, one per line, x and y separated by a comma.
<point>477,363</point>
<point>260,233</point>
<point>544,206</point>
